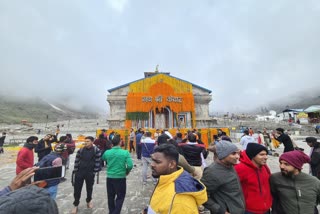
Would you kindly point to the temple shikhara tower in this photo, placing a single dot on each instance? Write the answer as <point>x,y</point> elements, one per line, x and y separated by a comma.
<point>159,100</point>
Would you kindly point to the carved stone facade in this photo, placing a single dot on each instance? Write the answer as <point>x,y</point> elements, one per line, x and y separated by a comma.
<point>117,100</point>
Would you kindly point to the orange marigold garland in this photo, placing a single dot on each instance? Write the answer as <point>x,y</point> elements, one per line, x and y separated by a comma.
<point>158,92</point>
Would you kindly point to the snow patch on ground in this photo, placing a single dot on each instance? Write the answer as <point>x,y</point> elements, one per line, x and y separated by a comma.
<point>56,108</point>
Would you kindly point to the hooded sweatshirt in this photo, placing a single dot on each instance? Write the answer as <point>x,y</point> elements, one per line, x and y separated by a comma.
<point>177,193</point>
<point>245,140</point>
<point>255,185</point>
<point>25,158</point>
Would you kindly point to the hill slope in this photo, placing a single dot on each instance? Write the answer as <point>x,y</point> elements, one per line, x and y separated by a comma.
<point>13,110</point>
<point>300,100</point>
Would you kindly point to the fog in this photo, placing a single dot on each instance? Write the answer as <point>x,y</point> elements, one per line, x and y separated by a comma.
<point>249,53</point>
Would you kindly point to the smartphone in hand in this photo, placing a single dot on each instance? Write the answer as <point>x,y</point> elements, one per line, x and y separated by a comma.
<point>48,173</point>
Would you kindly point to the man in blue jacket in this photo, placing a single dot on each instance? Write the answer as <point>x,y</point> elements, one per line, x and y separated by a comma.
<point>138,143</point>
<point>53,159</point>
<point>147,147</point>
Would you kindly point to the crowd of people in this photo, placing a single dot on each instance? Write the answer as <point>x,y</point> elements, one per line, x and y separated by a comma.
<point>237,181</point>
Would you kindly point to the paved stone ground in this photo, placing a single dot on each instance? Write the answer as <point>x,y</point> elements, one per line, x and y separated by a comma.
<point>137,194</point>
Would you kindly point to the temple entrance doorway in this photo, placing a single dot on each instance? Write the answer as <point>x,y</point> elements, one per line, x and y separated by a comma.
<point>162,119</point>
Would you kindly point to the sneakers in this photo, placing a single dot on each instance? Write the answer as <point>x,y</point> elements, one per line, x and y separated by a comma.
<point>74,210</point>
<point>90,205</point>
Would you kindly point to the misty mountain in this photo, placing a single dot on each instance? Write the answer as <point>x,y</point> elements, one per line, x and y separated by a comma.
<point>300,100</point>
<point>15,109</point>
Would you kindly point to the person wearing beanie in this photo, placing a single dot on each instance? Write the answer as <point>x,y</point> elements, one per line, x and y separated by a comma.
<point>54,159</point>
<point>285,139</point>
<point>222,182</point>
<point>254,177</point>
<point>293,191</point>
<point>28,200</point>
<point>314,156</point>
<point>25,158</point>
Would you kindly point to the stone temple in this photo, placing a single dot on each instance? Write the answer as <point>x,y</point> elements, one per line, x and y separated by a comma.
<point>159,101</point>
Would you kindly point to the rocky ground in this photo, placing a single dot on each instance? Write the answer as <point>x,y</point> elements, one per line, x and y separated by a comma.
<point>137,194</point>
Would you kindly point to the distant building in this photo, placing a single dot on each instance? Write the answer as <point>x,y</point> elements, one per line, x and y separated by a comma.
<point>159,100</point>
<point>288,114</point>
<point>313,113</point>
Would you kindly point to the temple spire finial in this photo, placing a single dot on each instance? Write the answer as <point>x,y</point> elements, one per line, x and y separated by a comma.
<point>157,69</point>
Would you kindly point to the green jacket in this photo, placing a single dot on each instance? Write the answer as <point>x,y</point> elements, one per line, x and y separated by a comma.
<point>297,195</point>
<point>119,162</point>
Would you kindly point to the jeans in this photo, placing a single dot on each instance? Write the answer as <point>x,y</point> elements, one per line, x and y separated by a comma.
<point>145,165</point>
<point>139,149</point>
<point>132,146</point>
<point>116,189</point>
<point>53,191</point>
<point>67,163</point>
<point>80,177</point>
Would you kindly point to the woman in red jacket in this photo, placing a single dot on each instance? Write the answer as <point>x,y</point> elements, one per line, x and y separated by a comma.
<point>254,177</point>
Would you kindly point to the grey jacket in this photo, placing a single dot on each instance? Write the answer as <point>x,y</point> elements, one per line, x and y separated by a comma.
<point>294,195</point>
<point>224,189</point>
<point>28,200</point>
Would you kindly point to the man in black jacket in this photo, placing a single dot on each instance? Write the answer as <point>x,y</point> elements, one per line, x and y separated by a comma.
<point>314,156</point>
<point>86,164</point>
<point>44,147</point>
<point>2,141</point>
<point>285,139</point>
<point>163,138</point>
<point>192,151</point>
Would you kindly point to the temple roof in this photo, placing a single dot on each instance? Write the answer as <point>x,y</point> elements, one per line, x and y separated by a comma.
<point>154,74</point>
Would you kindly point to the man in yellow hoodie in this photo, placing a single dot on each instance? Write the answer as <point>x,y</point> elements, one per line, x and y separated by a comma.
<point>176,191</point>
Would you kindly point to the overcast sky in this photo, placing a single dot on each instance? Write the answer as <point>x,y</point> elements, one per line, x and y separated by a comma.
<point>247,52</point>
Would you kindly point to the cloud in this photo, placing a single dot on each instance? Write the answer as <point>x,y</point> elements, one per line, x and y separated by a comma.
<point>248,53</point>
<point>118,5</point>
